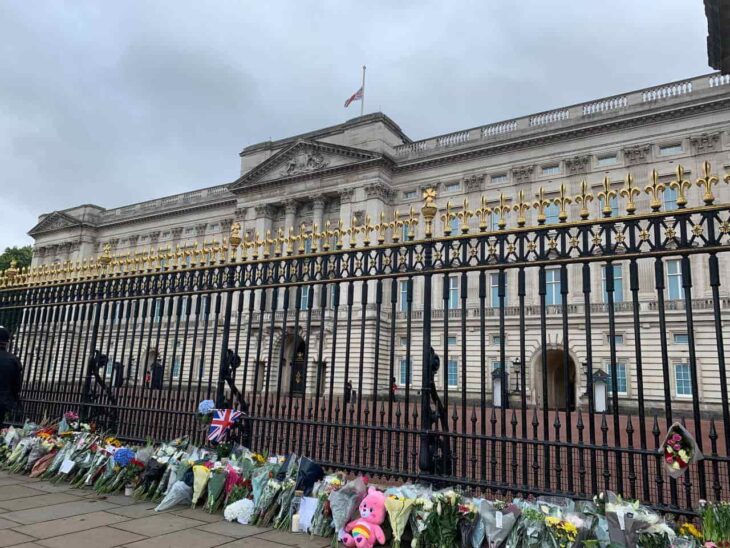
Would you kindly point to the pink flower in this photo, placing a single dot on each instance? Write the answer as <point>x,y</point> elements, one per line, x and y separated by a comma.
<point>676,438</point>
<point>670,460</point>
<point>677,447</point>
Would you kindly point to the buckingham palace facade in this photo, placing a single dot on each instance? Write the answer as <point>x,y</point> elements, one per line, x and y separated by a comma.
<point>367,169</point>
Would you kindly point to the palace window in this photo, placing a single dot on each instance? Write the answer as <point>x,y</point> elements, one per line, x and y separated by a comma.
<point>674,280</point>
<point>613,202</point>
<point>453,373</point>
<point>551,170</point>
<point>617,340</point>
<point>452,187</point>
<point>681,338</point>
<point>667,150</point>
<point>453,292</point>
<point>493,222</point>
<point>404,341</point>
<point>621,382</point>
<point>551,214</point>
<point>177,362</point>
<point>494,289</point>
<point>451,341</point>
<point>497,179</point>
<point>682,379</point>
<point>552,286</point>
<point>618,282</point>
<point>496,340</point>
<point>304,303</point>
<point>404,235</point>
<point>607,160</point>
<point>670,199</point>
<point>403,290</point>
<point>405,372</point>
<point>409,194</point>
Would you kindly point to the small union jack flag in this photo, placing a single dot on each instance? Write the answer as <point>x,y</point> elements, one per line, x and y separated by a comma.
<point>357,96</point>
<point>223,419</point>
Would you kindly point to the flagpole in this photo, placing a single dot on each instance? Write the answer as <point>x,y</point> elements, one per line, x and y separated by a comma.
<point>362,101</point>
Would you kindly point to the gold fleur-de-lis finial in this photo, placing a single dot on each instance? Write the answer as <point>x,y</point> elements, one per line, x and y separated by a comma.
<point>381,227</point>
<point>503,208</point>
<point>367,228</point>
<point>13,271</point>
<point>339,232</point>
<point>605,196</point>
<point>446,219</point>
<point>325,235</point>
<point>483,213</point>
<point>314,237</point>
<point>412,222</point>
<point>106,256</point>
<point>353,231</point>
<point>268,243</point>
<point>562,201</point>
<point>521,207</point>
<point>290,240</point>
<point>540,204</point>
<point>655,190</point>
<point>245,246</point>
<point>680,184</point>
<point>584,198</point>
<point>280,241</point>
<point>708,181</point>
<point>464,215</point>
<point>396,227</point>
<point>629,191</point>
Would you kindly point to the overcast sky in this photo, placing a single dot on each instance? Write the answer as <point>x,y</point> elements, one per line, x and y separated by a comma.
<point>116,102</point>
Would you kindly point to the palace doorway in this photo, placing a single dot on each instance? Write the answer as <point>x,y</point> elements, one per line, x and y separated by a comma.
<point>561,387</point>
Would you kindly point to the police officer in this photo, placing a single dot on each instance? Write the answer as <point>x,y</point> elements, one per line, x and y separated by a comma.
<point>10,376</point>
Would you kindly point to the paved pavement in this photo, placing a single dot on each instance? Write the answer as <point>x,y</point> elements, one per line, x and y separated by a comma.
<point>37,514</point>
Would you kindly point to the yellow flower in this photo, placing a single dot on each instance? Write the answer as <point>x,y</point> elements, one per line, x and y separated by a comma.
<point>689,530</point>
<point>551,521</point>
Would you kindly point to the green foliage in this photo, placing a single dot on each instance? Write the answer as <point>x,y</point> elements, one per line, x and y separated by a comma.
<point>21,254</point>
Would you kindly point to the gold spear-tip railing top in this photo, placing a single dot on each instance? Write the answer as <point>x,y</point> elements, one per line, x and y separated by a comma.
<point>492,215</point>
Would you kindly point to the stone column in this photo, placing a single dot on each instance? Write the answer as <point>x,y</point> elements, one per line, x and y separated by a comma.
<point>290,218</point>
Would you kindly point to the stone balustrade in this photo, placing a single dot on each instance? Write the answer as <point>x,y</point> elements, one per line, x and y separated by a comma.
<point>644,98</point>
<point>168,202</point>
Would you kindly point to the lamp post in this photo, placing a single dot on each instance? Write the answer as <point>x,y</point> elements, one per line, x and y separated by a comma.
<point>517,369</point>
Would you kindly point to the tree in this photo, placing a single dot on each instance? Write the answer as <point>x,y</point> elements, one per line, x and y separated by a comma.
<point>22,255</point>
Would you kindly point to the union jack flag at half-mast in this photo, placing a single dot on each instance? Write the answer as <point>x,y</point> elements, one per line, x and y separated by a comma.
<point>223,419</point>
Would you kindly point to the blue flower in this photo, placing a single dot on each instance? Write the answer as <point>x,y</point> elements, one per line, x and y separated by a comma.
<point>206,406</point>
<point>123,456</point>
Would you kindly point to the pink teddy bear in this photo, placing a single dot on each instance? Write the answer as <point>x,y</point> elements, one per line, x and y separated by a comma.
<point>363,532</point>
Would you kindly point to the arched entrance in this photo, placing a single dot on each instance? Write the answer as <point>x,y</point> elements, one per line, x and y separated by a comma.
<point>557,387</point>
<point>294,366</point>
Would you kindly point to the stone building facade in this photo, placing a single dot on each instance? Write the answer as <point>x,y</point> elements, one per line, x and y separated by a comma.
<point>368,167</point>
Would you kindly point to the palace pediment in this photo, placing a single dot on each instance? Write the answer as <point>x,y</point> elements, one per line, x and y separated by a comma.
<point>53,222</point>
<point>304,159</point>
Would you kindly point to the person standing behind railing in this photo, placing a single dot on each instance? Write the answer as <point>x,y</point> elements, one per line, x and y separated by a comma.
<point>10,376</point>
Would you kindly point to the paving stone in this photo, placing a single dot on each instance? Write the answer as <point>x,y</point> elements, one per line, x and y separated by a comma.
<point>232,529</point>
<point>6,523</point>
<point>101,537</point>
<point>9,481</point>
<point>48,487</point>
<point>9,538</point>
<point>43,499</point>
<point>73,524</point>
<point>119,500</point>
<point>57,511</point>
<point>28,545</point>
<point>190,538</point>
<point>196,513</point>
<point>10,492</point>
<point>158,525</point>
<point>291,539</point>
<point>136,511</point>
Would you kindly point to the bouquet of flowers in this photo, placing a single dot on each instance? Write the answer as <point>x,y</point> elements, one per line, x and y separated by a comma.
<point>399,511</point>
<point>496,521</point>
<point>265,501</point>
<point>216,489</point>
<point>442,528</point>
<point>322,521</point>
<point>240,511</point>
<point>205,412</point>
<point>679,450</point>
<point>468,520</point>
<point>530,530</point>
<point>716,522</point>
<point>630,523</point>
<point>152,474</point>
<point>344,502</point>
<point>420,514</point>
<point>201,474</point>
<point>690,534</point>
<point>561,533</point>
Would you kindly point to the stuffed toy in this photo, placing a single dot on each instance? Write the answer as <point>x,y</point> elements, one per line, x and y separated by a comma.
<point>365,531</point>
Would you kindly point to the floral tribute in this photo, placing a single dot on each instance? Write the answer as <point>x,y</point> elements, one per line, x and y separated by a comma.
<point>293,493</point>
<point>679,450</point>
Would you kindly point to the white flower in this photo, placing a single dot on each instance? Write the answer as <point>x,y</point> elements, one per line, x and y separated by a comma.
<point>240,511</point>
